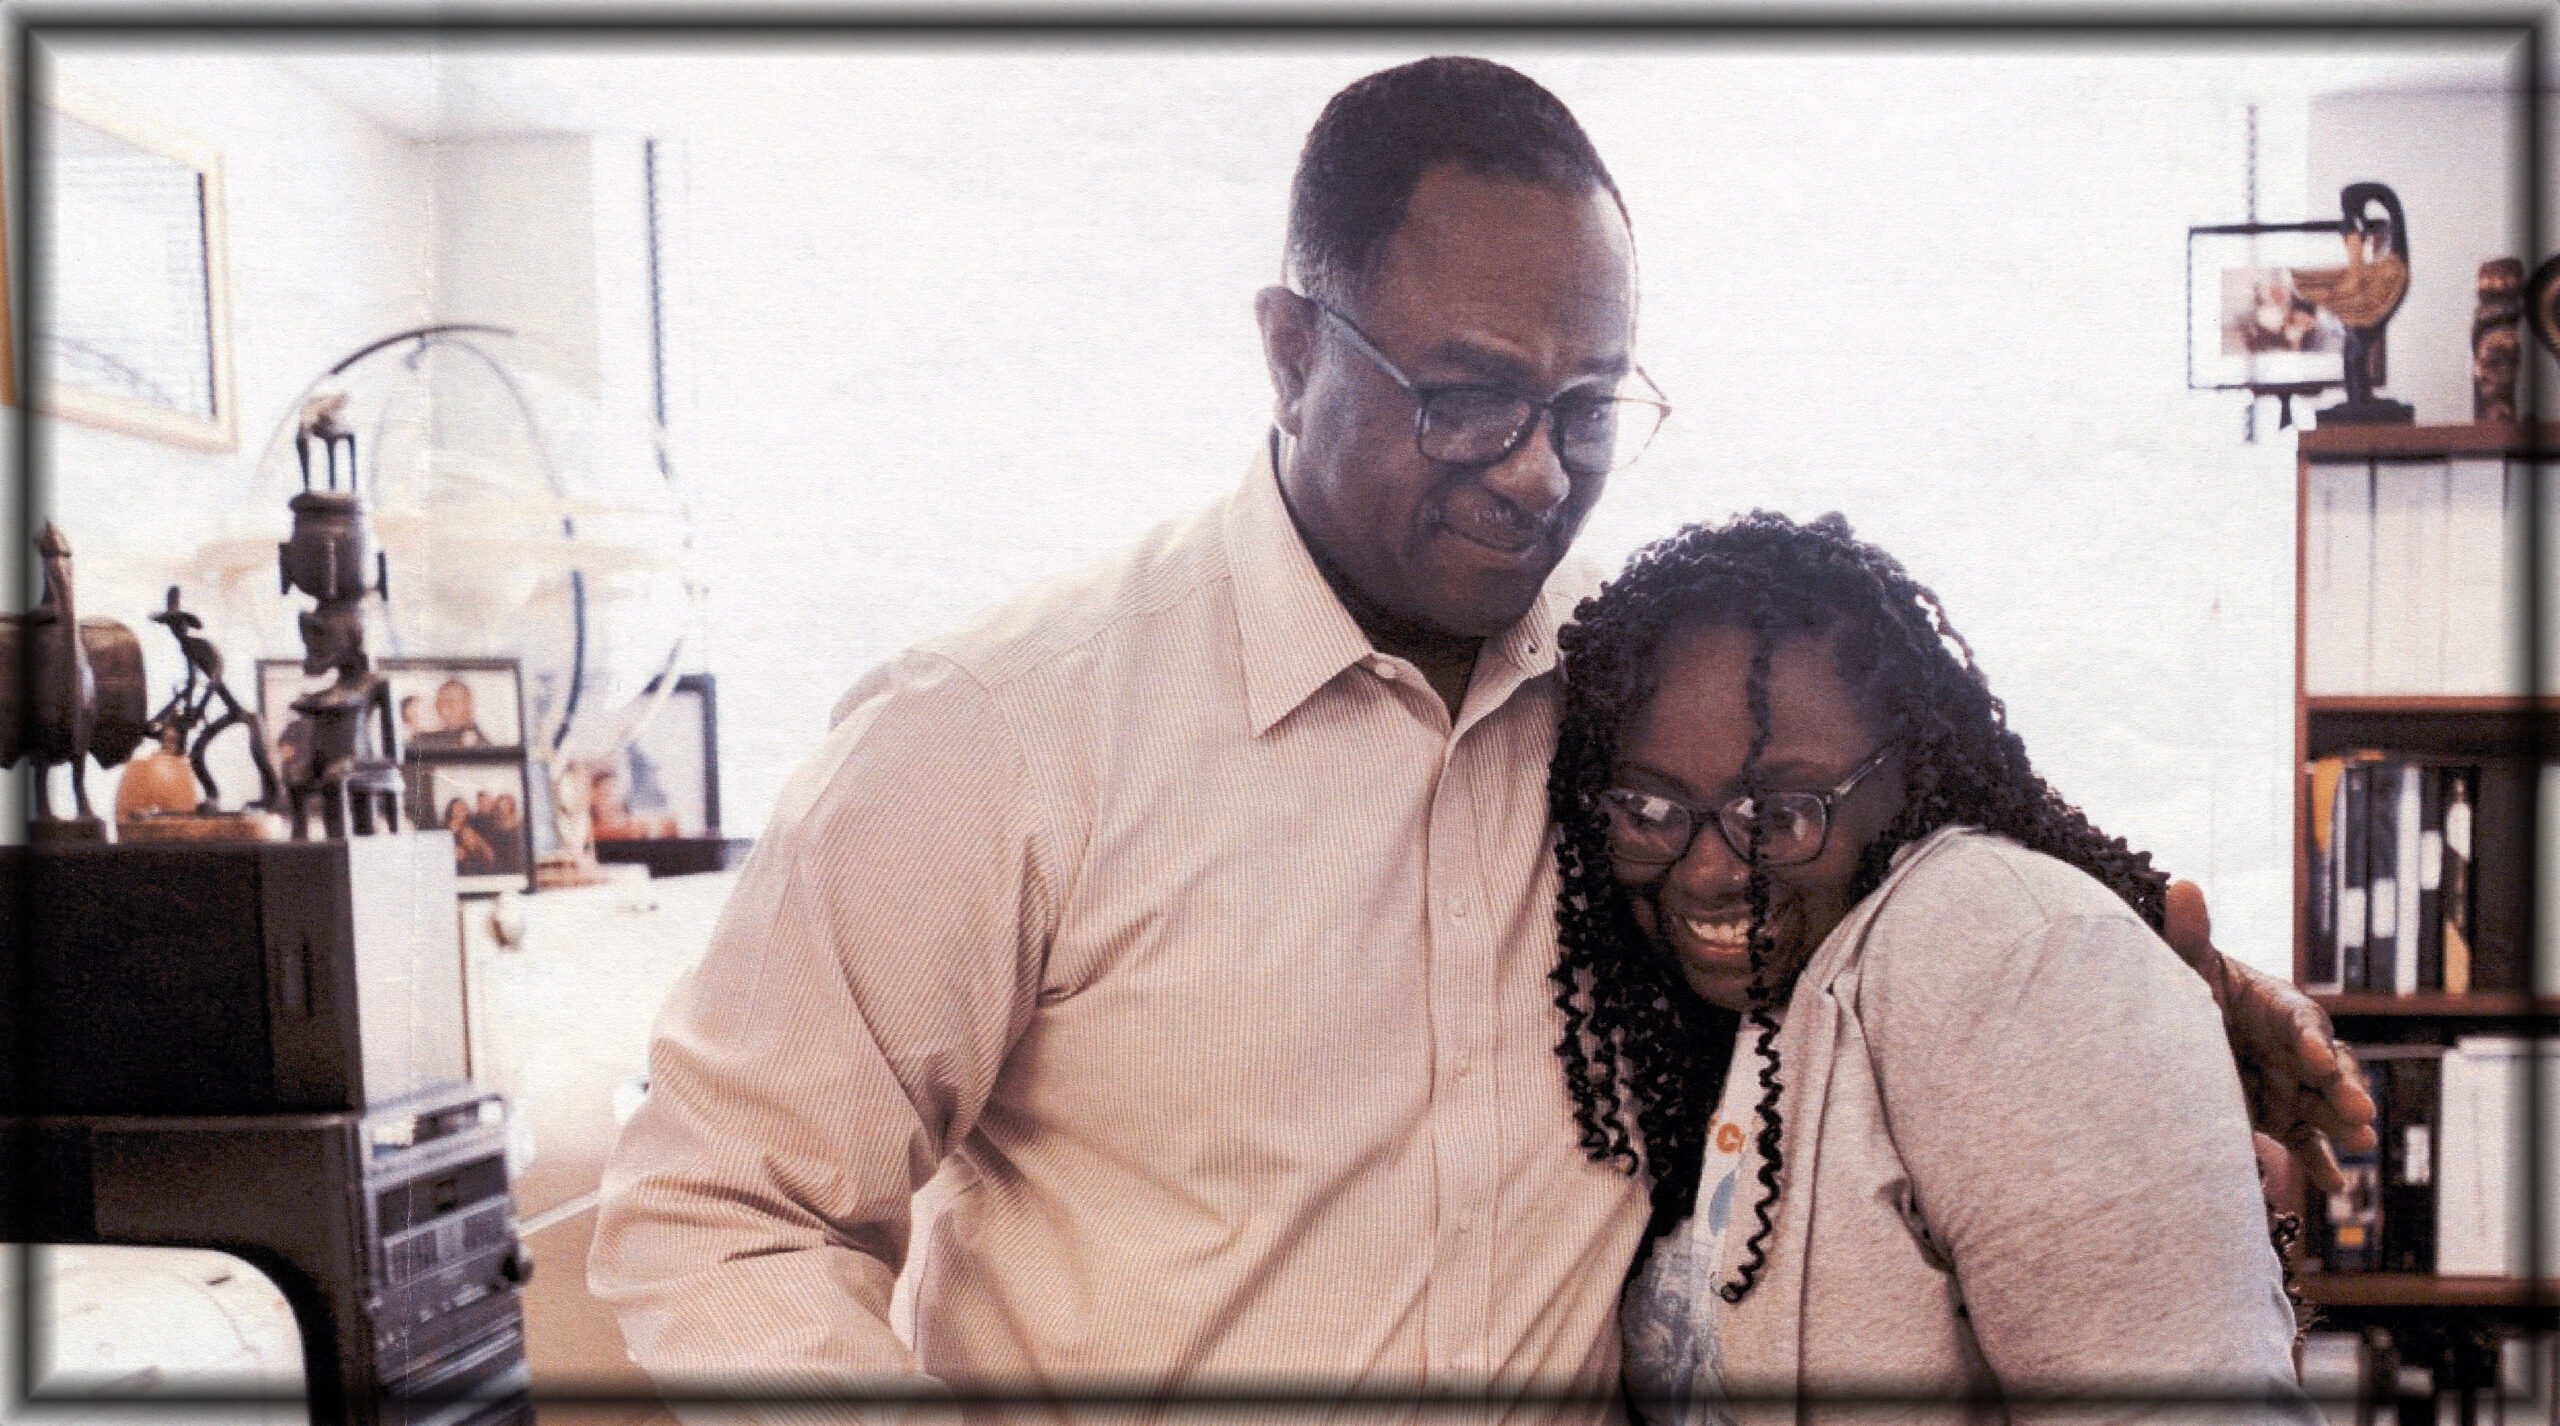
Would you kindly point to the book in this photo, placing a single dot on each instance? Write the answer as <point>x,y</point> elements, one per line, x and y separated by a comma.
<point>2338,577</point>
<point>2502,875</point>
<point>2544,967</point>
<point>2320,919</point>
<point>2408,589</point>
<point>2354,867</point>
<point>2454,897</point>
<point>2482,1202</point>
<point>2408,803</point>
<point>2425,916</point>
<point>2546,475</point>
<point>2347,1236</point>
<point>2382,881</point>
<point>2407,1084</point>
<point>2483,623</point>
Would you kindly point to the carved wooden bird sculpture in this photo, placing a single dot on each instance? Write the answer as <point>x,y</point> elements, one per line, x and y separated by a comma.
<point>2365,292</point>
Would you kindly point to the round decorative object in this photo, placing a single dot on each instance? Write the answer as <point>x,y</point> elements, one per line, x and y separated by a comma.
<point>2542,303</point>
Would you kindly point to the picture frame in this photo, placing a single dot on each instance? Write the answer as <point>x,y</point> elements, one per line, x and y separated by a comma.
<point>484,798</point>
<point>456,705</point>
<point>665,785</point>
<point>2247,328</point>
<point>280,681</point>
<point>132,329</point>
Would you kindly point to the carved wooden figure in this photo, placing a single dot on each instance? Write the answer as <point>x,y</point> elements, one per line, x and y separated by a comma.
<point>74,691</point>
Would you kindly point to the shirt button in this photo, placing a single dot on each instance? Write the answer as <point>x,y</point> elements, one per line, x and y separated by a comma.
<point>1384,669</point>
<point>1464,1066</point>
<point>1458,907</point>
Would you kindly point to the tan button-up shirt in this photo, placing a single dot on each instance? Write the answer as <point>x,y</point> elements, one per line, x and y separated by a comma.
<point>1204,959</point>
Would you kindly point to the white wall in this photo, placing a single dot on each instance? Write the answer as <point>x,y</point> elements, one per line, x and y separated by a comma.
<point>330,221</point>
<point>981,317</point>
<point>2452,157</point>
<point>947,320</point>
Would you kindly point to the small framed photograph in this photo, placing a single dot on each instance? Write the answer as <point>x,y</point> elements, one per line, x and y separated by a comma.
<point>456,705</point>
<point>485,800</point>
<point>280,681</point>
<point>2248,324</point>
<point>666,784</point>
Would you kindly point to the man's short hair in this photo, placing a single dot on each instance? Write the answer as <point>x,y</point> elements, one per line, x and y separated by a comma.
<point>1376,139</point>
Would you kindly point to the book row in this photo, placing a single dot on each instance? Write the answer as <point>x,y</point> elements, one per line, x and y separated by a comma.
<point>2420,875</point>
<point>2449,1189</point>
<point>2415,574</point>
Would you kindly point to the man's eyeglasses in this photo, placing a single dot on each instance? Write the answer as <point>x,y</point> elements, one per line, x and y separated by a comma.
<point>1595,430</point>
<point>1647,829</point>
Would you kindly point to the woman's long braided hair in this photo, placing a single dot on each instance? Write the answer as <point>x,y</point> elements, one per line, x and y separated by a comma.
<point>1635,1035</point>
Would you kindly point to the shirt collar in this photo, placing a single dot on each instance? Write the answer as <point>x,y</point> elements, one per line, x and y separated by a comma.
<point>1297,636</point>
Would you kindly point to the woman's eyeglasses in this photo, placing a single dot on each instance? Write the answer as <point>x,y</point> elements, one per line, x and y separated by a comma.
<point>1789,828</point>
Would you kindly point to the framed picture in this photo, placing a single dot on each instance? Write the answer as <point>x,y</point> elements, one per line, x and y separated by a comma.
<point>485,800</point>
<point>2248,327</point>
<point>280,681</point>
<point>666,784</point>
<point>456,705</point>
<point>133,330</point>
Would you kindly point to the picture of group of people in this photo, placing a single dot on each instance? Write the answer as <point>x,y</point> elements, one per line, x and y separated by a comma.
<point>483,805</point>
<point>455,709</point>
<point>461,750</point>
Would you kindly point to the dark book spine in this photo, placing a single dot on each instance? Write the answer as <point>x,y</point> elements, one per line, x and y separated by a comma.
<point>2502,876</point>
<point>2382,880</point>
<point>2407,1087</point>
<point>2428,927</point>
<point>2461,796</point>
<point>2354,869</point>
<point>2352,1217</point>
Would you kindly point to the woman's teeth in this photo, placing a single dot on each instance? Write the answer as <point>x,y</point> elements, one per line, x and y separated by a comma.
<point>1723,932</point>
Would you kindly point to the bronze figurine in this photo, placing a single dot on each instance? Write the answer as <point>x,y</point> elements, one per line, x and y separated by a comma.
<point>73,689</point>
<point>349,767</point>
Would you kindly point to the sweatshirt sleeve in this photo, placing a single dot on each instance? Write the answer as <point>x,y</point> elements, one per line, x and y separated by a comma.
<point>2067,1109</point>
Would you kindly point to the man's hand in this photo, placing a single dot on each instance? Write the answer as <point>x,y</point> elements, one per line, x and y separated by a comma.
<point>2302,1085</point>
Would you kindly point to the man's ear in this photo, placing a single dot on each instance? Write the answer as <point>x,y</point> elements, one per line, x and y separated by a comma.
<point>1288,350</point>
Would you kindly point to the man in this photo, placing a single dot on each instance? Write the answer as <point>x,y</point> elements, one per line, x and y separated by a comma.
<point>1188,924</point>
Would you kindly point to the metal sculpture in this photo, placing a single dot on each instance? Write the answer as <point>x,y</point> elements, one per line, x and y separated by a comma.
<point>347,767</point>
<point>73,691</point>
<point>188,723</point>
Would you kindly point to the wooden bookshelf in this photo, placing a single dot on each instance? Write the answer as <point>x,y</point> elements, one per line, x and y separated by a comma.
<point>2515,1005</point>
<point>2425,1290</point>
<point>2447,728</point>
<point>2482,438</point>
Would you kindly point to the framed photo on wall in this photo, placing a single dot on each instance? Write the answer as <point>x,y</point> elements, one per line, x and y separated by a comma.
<point>2248,325</point>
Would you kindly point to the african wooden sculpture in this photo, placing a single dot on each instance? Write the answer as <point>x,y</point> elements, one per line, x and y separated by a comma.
<point>2364,294</point>
<point>347,767</point>
<point>70,689</point>
<point>202,709</point>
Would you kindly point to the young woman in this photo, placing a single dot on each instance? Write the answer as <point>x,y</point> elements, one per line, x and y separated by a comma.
<point>1829,951</point>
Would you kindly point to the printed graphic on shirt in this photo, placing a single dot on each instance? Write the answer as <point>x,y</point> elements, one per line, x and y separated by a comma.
<point>1674,1357</point>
